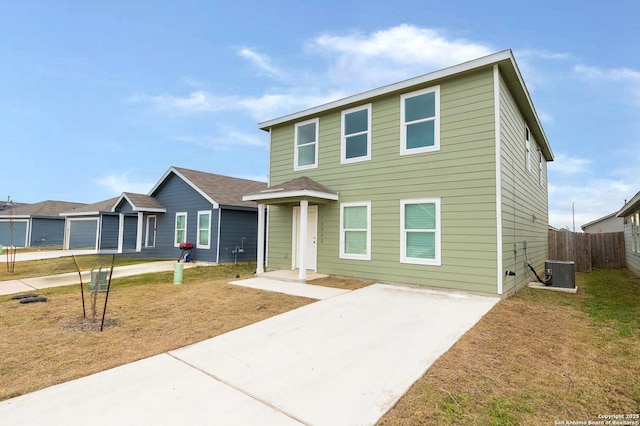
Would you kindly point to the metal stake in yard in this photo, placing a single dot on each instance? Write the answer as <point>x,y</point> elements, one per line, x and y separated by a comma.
<point>84,312</point>
<point>104,312</point>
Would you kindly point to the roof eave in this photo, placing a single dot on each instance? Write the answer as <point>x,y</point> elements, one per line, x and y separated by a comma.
<point>281,195</point>
<point>631,206</point>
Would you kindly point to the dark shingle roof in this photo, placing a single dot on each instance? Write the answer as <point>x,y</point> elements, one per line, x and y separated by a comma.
<point>143,201</point>
<point>100,206</point>
<point>43,208</point>
<point>302,183</point>
<point>224,190</point>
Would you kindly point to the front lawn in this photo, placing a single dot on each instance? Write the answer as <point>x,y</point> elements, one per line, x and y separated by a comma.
<point>538,358</point>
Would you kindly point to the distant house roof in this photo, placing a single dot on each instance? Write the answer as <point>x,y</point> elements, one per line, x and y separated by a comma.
<point>586,225</point>
<point>299,187</point>
<point>141,202</point>
<point>219,190</point>
<point>90,209</point>
<point>49,208</point>
<point>631,206</point>
<point>504,60</point>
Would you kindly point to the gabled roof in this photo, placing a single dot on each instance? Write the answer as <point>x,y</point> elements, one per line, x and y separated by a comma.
<point>631,206</point>
<point>508,68</point>
<point>92,209</point>
<point>140,203</point>
<point>217,189</point>
<point>593,222</point>
<point>301,187</point>
<point>44,208</point>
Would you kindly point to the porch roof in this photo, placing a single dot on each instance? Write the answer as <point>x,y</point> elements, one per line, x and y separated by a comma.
<point>299,188</point>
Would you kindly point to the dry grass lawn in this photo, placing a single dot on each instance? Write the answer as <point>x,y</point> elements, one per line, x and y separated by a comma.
<point>536,358</point>
<point>42,344</point>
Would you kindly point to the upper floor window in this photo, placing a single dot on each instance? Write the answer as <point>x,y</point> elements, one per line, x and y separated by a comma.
<point>540,168</point>
<point>306,145</point>
<point>420,121</point>
<point>180,235</point>
<point>420,231</point>
<point>527,147</point>
<point>356,134</point>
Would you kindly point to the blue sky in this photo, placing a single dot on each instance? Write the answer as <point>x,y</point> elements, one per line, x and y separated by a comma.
<point>97,98</point>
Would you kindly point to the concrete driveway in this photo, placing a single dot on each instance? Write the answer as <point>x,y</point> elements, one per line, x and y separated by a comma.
<point>344,360</point>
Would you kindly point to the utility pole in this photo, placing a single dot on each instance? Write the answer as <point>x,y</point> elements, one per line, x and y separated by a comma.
<point>573,214</point>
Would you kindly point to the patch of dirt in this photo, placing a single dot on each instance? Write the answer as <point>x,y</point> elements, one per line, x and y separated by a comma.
<point>88,324</point>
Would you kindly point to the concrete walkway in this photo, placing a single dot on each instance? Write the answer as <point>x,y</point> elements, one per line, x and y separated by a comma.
<point>37,283</point>
<point>37,255</point>
<point>344,360</point>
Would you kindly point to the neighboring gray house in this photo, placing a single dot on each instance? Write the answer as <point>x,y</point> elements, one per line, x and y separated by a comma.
<point>207,210</point>
<point>608,223</point>
<point>630,213</point>
<point>184,206</point>
<point>94,226</point>
<point>35,225</point>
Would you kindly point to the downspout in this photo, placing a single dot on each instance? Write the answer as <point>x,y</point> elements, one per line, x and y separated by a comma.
<point>218,236</point>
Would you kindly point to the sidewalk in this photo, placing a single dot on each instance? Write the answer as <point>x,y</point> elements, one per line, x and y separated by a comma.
<point>71,278</point>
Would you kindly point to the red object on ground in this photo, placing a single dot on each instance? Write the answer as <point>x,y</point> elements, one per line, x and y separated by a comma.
<point>186,246</point>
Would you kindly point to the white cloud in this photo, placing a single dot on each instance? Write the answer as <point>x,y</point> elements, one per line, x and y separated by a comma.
<point>593,198</point>
<point>567,165</point>
<point>261,61</point>
<point>117,183</point>
<point>195,102</point>
<point>541,54</point>
<point>368,60</point>
<point>629,78</point>
<point>229,139</point>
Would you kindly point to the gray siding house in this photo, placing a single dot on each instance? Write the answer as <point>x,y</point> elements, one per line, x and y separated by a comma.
<point>35,225</point>
<point>185,205</point>
<point>630,213</point>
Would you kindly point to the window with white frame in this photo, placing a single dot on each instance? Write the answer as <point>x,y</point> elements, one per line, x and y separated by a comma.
<point>420,231</point>
<point>180,234</point>
<point>204,229</point>
<point>420,121</point>
<point>527,148</point>
<point>356,134</point>
<point>306,145</point>
<point>355,230</point>
<point>540,168</point>
<point>635,232</point>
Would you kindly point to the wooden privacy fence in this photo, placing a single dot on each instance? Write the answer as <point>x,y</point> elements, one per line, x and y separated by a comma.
<point>588,251</point>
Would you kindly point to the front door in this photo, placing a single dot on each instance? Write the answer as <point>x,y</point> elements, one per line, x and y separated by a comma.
<point>312,234</point>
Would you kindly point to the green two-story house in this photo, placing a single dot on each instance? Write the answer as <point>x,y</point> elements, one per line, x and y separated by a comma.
<point>439,180</point>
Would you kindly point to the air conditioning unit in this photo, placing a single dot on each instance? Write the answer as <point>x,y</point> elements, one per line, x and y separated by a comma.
<point>562,273</point>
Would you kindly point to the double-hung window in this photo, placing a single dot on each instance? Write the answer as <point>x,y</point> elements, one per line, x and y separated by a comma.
<point>306,145</point>
<point>204,229</point>
<point>420,121</point>
<point>180,234</point>
<point>527,148</point>
<point>540,168</point>
<point>356,134</point>
<point>420,231</point>
<point>635,232</point>
<point>355,230</point>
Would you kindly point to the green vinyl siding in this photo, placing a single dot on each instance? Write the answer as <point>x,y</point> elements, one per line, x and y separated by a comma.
<point>461,174</point>
<point>524,200</point>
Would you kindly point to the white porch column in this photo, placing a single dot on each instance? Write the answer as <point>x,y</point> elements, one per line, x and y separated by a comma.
<point>139,234</point>
<point>302,243</point>
<point>260,266</point>
<point>120,232</point>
